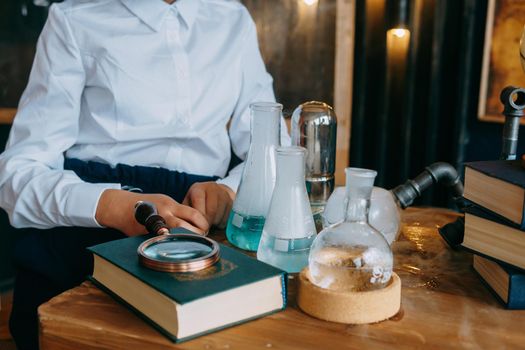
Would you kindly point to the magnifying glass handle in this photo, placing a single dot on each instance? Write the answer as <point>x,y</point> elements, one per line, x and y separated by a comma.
<point>146,214</point>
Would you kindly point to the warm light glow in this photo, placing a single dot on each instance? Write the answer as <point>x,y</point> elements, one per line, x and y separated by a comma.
<point>399,32</point>
<point>397,45</point>
<point>310,2</point>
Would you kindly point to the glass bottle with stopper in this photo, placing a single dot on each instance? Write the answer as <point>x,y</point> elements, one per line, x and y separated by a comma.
<point>352,256</point>
<point>289,229</point>
<point>251,205</point>
<point>314,127</point>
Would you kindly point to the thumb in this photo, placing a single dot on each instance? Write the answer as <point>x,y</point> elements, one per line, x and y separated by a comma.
<point>186,200</point>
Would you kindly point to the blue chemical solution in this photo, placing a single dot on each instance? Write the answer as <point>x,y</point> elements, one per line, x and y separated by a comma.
<point>287,254</point>
<point>244,231</point>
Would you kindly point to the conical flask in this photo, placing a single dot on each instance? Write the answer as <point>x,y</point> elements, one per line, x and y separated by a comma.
<point>352,255</point>
<point>289,229</point>
<point>251,204</point>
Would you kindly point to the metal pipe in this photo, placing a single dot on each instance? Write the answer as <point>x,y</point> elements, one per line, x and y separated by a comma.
<point>513,99</point>
<point>441,172</point>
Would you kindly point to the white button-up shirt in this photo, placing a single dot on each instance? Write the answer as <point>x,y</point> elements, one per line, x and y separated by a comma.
<point>138,82</point>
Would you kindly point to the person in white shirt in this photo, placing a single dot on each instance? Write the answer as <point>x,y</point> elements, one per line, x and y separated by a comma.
<point>151,83</point>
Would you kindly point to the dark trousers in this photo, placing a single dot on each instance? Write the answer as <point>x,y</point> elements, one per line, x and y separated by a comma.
<point>49,262</point>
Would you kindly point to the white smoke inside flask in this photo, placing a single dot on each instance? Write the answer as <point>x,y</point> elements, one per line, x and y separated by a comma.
<point>384,214</point>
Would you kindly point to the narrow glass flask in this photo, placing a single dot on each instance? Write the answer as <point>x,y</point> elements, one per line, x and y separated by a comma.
<point>352,255</point>
<point>289,229</point>
<point>251,204</point>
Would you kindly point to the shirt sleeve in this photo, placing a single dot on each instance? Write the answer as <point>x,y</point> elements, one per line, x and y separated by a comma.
<point>35,190</point>
<point>256,86</point>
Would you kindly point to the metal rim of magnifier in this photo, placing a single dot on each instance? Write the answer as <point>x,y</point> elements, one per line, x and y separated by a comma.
<point>183,265</point>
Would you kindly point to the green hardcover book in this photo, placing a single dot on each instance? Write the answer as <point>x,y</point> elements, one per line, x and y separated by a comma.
<point>185,305</point>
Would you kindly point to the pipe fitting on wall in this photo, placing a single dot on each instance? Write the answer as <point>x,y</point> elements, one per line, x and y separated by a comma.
<point>513,99</point>
<point>441,172</point>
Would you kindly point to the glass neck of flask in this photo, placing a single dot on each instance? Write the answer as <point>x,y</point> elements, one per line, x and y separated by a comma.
<point>265,121</point>
<point>357,209</point>
<point>290,165</point>
<point>359,185</point>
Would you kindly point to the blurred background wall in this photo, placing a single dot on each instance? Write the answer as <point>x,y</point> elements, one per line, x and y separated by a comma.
<point>430,113</point>
<point>408,111</point>
<point>297,42</point>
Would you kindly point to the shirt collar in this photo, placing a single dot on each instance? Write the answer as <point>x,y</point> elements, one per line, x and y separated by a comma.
<point>188,10</point>
<point>152,12</point>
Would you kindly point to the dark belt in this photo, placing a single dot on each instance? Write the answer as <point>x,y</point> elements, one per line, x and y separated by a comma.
<point>148,179</point>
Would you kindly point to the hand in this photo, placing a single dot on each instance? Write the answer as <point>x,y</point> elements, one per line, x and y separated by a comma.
<point>213,200</point>
<point>116,209</point>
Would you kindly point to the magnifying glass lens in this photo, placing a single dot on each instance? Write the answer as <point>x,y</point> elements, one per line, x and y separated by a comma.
<point>174,249</point>
<point>172,252</point>
<point>178,252</point>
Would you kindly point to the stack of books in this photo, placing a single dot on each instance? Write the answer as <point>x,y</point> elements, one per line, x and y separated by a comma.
<point>495,227</point>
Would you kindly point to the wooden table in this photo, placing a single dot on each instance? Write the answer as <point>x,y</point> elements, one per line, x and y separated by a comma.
<point>444,305</point>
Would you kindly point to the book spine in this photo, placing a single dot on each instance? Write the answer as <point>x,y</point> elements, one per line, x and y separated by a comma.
<point>284,291</point>
<point>516,292</point>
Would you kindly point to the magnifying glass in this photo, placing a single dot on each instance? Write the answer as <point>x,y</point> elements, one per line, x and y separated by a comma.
<point>177,252</point>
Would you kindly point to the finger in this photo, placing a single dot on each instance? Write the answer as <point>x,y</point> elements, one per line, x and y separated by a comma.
<point>197,199</point>
<point>177,222</point>
<point>212,204</point>
<point>225,207</point>
<point>138,229</point>
<point>192,216</point>
<point>186,200</point>
<point>219,214</point>
<point>226,214</point>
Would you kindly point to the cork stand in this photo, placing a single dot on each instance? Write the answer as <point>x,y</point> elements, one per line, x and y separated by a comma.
<point>349,307</point>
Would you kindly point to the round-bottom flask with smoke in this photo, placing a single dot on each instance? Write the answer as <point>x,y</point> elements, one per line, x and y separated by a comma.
<point>384,214</point>
<point>352,255</point>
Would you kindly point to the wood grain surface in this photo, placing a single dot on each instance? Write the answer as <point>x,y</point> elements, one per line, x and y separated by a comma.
<point>444,305</point>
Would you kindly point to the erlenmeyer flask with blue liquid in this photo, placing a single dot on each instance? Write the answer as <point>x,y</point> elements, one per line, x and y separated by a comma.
<point>251,205</point>
<point>289,229</point>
